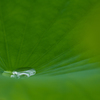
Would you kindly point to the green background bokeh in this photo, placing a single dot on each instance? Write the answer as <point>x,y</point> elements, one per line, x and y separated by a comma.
<point>60,40</point>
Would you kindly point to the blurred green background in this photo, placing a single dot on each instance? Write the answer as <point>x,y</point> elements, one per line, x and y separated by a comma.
<point>60,40</point>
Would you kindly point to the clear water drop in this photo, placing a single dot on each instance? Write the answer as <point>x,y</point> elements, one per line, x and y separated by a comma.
<point>20,73</point>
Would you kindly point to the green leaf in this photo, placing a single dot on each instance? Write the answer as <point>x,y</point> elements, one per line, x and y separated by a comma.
<point>57,38</point>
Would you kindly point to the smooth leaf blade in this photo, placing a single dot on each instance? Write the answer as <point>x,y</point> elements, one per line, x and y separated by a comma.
<point>60,40</point>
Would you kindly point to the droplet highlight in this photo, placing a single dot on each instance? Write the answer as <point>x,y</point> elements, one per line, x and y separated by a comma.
<point>20,73</point>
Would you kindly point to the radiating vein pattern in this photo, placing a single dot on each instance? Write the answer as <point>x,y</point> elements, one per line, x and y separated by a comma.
<point>49,49</point>
<point>54,37</point>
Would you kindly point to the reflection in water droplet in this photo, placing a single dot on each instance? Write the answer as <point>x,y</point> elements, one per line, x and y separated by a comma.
<point>20,73</point>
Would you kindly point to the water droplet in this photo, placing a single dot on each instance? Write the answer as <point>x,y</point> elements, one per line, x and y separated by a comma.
<point>20,73</point>
<point>7,73</point>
